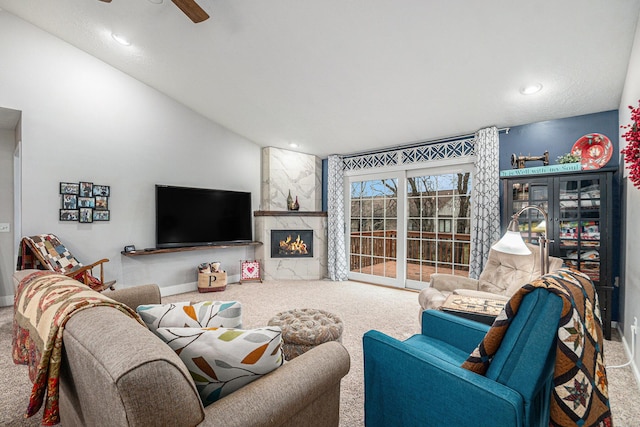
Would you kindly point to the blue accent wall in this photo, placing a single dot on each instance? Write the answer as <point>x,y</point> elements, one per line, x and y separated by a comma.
<point>558,137</point>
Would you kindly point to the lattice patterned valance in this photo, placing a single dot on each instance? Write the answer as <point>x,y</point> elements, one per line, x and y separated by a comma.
<point>409,155</point>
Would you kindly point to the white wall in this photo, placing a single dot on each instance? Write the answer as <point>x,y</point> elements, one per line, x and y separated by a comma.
<point>631,290</point>
<point>83,120</point>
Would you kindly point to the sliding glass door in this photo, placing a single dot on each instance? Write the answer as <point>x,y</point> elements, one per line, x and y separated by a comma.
<point>405,226</point>
<point>373,230</point>
<point>438,226</point>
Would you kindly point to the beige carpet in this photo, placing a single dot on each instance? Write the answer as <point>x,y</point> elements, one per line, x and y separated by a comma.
<point>361,307</point>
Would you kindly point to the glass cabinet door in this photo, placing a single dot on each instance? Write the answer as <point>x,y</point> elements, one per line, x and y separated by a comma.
<point>579,214</point>
<point>579,226</point>
<point>530,192</point>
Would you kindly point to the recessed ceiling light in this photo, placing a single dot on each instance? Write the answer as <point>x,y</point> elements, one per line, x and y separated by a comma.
<point>120,39</point>
<point>531,89</point>
<point>155,1</point>
<point>293,145</point>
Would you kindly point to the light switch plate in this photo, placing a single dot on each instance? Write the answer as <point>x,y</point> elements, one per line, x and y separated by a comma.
<point>5,227</point>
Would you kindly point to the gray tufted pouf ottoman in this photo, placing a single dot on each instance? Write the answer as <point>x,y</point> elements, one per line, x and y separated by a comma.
<point>305,328</point>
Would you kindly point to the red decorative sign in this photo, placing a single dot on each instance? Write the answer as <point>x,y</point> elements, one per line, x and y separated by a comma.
<point>250,271</point>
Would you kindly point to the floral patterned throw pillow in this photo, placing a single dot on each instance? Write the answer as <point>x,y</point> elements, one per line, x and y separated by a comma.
<point>207,314</point>
<point>221,360</point>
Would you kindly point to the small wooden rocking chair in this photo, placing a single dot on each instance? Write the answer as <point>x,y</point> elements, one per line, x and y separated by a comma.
<point>46,252</point>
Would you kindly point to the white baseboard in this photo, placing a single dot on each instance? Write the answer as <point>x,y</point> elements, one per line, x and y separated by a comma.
<point>6,301</point>
<point>633,365</point>
<point>166,291</point>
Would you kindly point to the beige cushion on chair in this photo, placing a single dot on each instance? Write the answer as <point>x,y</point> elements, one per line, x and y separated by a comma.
<point>503,275</point>
<point>431,298</point>
<point>480,294</point>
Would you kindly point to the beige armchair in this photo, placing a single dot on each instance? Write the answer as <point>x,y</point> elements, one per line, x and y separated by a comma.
<point>501,277</point>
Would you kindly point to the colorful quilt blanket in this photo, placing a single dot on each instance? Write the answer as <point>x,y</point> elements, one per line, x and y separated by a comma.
<point>46,252</point>
<point>50,251</point>
<point>580,396</point>
<point>43,304</point>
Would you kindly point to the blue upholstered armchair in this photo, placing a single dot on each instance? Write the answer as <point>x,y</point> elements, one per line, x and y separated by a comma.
<point>420,381</point>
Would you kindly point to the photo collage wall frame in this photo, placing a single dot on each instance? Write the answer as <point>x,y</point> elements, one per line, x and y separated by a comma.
<point>84,202</point>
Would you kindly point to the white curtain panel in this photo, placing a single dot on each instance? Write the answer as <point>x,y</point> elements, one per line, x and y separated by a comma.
<point>337,262</point>
<point>485,199</point>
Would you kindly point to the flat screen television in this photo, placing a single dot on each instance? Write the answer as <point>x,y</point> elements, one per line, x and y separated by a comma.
<point>201,217</point>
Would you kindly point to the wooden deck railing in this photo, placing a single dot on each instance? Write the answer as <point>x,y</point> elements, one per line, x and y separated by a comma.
<point>383,244</point>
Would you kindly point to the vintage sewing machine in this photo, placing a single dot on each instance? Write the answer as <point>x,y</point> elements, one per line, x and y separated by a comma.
<point>518,162</point>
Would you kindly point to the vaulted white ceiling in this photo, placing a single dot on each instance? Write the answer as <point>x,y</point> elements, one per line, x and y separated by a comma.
<point>343,76</point>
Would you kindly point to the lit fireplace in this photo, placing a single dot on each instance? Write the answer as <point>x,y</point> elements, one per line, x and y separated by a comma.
<point>291,243</point>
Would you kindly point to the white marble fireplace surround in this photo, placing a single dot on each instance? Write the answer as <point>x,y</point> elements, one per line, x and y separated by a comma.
<point>284,171</point>
<point>314,268</point>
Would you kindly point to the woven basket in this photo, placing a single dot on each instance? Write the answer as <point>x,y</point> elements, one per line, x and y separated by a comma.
<point>212,282</point>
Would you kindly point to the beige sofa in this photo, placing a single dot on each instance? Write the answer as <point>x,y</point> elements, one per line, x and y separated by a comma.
<point>117,373</point>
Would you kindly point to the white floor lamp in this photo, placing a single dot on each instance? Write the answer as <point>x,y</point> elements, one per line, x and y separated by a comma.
<point>512,243</point>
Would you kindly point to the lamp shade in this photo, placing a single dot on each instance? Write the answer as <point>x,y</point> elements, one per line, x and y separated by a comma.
<point>512,243</point>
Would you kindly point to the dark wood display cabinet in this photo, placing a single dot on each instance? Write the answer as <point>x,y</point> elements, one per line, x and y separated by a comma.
<point>579,206</point>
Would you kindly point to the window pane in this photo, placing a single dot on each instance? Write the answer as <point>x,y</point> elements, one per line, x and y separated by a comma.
<point>429,206</point>
<point>391,208</point>
<point>429,250</point>
<point>413,205</point>
<point>367,208</point>
<point>366,246</point>
<point>391,225</point>
<point>444,208</point>
<point>374,221</point>
<point>429,225</point>
<point>463,226</point>
<point>378,208</point>
<point>413,224</point>
<point>413,249</point>
<point>355,209</point>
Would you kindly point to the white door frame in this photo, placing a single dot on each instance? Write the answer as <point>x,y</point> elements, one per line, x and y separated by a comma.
<point>442,170</point>
<point>17,199</point>
<point>399,280</point>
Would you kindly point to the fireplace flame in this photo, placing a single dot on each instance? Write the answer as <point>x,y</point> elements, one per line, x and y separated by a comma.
<point>297,246</point>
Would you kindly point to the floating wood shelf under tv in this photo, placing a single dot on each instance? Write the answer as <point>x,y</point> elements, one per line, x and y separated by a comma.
<point>153,251</point>
<point>289,213</point>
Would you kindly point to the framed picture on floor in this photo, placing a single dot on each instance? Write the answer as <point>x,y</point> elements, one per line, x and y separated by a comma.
<point>250,271</point>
